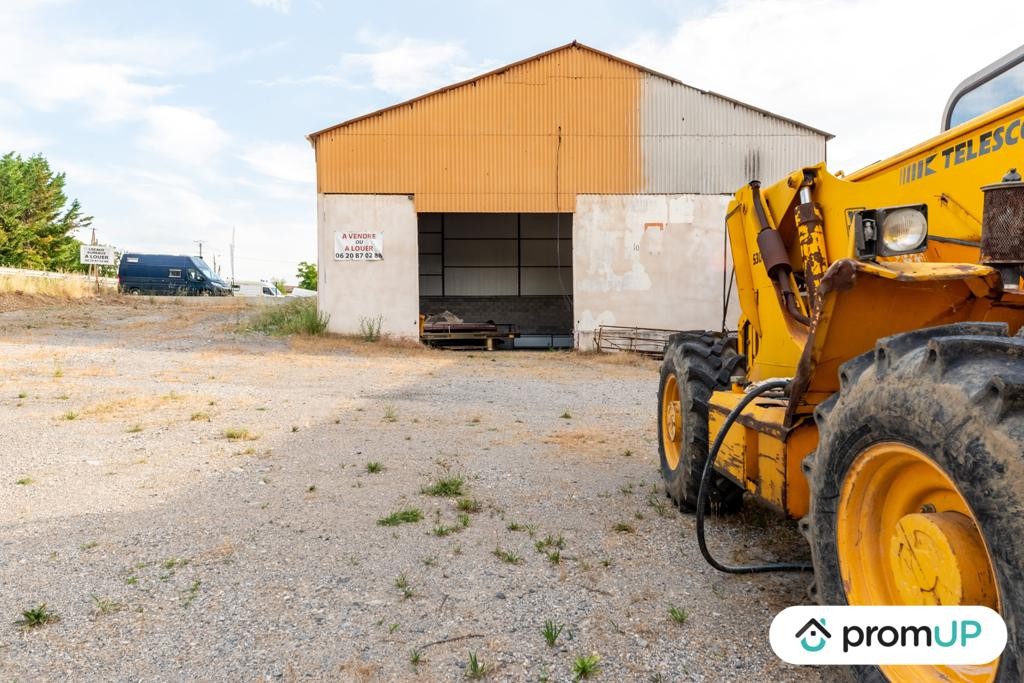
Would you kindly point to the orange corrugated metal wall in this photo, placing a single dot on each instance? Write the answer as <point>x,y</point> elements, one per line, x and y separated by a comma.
<point>492,145</point>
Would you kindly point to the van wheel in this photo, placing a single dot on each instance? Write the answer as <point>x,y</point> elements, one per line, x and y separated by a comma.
<point>135,291</point>
<point>204,292</point>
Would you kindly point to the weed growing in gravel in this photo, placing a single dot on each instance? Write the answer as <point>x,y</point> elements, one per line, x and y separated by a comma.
<point>58,371</point>
<point>25,481</point>
<point>678,615</point>
<point>586,666</point>
<point>132,580</point>
<point>429,561</point>
<point>37,616</point>
<point>22,394</point>
<point>393,627</point>
<point>369,328</point>
<point>312,488</point>
<point>295,428</point>
<point>106,605</point>
<point>89,546</point>
<point>448,487</point>
<point>468,505</point>
<point>551,632</point>
<point>70,415</point>
<point>555,556</point>
<point>374,467</point>
<point>415,656</point>
<point>402,584</point>
<point>295,317</point>
<point>476,669</point>
<point>407,516</point>
<point>192,594</point>
<point>175,562</point>
<point>658,504</point>
<point>548,542</point>
<point>627,453</point>
<point>507,556</point>
<point>134,429</point>
<point>626,489</point>
<point>566,415</point>
<point>623,528</point>
<point>390,414</point>
<point>239,434</point>
<point>200,417</point>
<point>515,526</point>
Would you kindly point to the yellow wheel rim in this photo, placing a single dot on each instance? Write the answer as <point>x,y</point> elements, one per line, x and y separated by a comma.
<point>671,422</point>
<point>906,536</point>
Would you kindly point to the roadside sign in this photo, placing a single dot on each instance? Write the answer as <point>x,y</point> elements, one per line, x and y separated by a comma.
<point>96,255</point>
<point>359,245</point>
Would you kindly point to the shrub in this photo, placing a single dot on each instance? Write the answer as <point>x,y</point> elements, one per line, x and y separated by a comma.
<point>369,328</point>
<point>294,317</point>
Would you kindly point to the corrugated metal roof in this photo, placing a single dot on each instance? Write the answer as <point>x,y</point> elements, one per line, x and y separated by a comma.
<point>574,44</point>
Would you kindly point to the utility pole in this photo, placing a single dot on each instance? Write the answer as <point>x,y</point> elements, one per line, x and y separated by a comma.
<point>232,253</point>
<point>94,268</point>
<point>200,243</point>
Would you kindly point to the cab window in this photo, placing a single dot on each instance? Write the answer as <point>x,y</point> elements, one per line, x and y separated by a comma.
<point>993,86</point>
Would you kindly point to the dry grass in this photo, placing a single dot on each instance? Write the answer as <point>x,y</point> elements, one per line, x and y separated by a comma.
<point>333,343</point>
<point>57,288</point>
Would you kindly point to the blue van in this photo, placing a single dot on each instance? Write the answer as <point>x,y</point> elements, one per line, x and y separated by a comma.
<point>173,275</point>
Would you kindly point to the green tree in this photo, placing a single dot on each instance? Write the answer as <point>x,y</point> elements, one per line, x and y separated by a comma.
<point>37,224</point>
<point>307,275</point>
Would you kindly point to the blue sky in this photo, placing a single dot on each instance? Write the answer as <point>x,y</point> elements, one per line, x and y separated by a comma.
<point>177,121</point>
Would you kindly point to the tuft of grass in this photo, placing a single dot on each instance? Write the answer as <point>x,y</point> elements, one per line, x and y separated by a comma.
<point>22,394</point>
<point>88,545</point>
<point>678,615</point>
<point>192,594</point>
<point>70,415</point>
<point>390,414</point>
<point>468,505</point>
<point>175,562</point>
<point>200,416</point>
<point>402,584</point>
<point>393,627</point>
<point>25,481</point>
<point>58,372</point>
<point>106,605</point>
<point>585,666</point>
<point>295,428</point>
<point>416,656</point>
<point>406,516</point>
<point>448,487</point>
<point>239,434</point>
<point>369,328</point>
<point>548,542</point>
<point>658,504</point>
<point>37,616</point>
<point>374,467</point>
<point>476,669</point>
<point>555,556</point>
<point>294,317</point>
<point>627,453</point>
<point>623,528</point>
<point>566,415</point>
<point>507,556</point>
<point>515,526</point>
<point>551,632</point>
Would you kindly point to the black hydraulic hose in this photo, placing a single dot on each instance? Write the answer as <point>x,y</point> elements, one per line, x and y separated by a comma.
<point>702,492</point>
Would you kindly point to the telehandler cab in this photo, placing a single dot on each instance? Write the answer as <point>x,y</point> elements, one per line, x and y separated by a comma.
<point>874,386</point>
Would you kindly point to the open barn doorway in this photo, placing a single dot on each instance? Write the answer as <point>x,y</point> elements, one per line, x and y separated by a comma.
<point>509,270</point>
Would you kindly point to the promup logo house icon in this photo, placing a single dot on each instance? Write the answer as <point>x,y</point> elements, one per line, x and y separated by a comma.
<point>817,631</point>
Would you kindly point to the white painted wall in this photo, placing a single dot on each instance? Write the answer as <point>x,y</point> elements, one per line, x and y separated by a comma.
<point>649,261</point>
<point>349,291</point>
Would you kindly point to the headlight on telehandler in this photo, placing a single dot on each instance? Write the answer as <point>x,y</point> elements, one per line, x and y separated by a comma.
<point>891,232</point>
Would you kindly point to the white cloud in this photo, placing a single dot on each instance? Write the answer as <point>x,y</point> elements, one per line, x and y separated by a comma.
<point>400,66</point>
<point>181,134</point>
<point>875,73</point>
<point>282,161</point>
<point>282,6</point>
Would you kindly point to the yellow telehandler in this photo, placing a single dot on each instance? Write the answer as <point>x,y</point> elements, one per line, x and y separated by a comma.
<point>874,386</point>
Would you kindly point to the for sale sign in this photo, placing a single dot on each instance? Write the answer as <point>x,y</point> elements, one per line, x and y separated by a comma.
<point>96,255</point>
<point>359,245</point>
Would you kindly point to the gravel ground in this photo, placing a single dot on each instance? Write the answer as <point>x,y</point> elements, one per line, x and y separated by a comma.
<point>172,552</point>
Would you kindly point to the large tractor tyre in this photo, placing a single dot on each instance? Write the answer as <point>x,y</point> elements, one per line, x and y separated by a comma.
<point>917,485</point>
<point>696,364</point>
